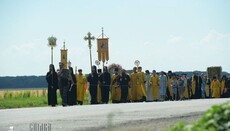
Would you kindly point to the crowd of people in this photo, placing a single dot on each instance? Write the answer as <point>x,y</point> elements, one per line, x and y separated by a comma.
<point>138,86</point>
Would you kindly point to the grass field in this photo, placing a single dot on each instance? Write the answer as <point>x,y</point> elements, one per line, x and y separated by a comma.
<point>27,98</point>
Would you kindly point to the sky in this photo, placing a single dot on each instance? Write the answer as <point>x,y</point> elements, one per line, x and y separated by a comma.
<point>164,35</point>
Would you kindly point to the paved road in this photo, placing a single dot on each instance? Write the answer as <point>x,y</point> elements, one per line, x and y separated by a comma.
<point>96,117</point>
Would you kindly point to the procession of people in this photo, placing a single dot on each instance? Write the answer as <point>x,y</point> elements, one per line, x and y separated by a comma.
<point>121,87</point>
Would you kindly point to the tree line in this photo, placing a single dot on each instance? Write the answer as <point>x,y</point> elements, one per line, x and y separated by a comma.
<point>22,82</point>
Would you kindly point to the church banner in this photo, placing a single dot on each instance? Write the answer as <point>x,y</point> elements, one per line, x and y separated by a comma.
<point>64,57</point>
<point>103,49</point>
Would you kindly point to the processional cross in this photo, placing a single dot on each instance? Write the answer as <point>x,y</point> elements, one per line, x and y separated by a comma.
<point>88,38</point>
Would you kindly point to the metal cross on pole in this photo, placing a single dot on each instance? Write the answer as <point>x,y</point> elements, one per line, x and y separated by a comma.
<point>88,38</point>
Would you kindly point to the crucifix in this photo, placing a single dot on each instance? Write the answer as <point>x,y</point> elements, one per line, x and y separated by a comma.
<point>88,38</point>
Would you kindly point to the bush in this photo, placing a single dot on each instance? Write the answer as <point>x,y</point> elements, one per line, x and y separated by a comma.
<point>26,94</point>
<point>215,119</point>
<point>8,95</point>
<point>113,66</point>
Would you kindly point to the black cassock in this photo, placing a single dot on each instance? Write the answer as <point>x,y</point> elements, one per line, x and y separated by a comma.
<point>52,80</point>
<point>198,93</point>
<point>124,82</point>
<point>72,91</point>
<point>105,80</point>
<point>93,80</point>
<point>227,89</point>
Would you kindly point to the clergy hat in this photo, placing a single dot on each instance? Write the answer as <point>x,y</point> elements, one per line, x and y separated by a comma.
<point>94,67</point>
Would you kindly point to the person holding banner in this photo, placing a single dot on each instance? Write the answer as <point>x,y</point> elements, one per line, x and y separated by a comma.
<point>63,81</point>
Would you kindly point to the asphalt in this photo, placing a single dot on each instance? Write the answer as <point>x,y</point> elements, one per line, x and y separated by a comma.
<point>97,117</point>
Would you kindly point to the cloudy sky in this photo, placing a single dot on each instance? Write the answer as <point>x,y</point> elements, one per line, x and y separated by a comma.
<point>164,35</point>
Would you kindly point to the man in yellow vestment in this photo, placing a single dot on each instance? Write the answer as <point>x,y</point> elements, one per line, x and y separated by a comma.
<point>99,87</point>
<point>215,87</point>
<point>155,85</point>
<point>115,87</point>
<point>142,80</point>
<point>169,85</point>
<point>222,82</point>
<point>186,91</point>
<point>81,85</point>
<point>135,84</point>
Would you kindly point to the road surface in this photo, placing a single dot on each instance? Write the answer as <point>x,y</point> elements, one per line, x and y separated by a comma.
<point>98,117</point>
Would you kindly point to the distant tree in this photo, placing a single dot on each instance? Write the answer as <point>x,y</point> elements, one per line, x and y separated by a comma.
<point>113,66</point>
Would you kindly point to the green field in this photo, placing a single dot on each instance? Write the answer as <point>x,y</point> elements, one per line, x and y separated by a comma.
<point>27,98</point>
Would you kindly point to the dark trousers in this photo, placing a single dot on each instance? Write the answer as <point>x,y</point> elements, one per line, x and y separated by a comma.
<point>93,94</point>
<point>124,94</point>
<point>105,94</point>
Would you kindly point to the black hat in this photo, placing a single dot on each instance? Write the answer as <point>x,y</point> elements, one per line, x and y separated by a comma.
<point>94,67</point>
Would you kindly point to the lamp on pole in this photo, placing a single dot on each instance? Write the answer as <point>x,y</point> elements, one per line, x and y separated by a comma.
<point>97,62</point>
<point>88,38</point>
<point>52,43</point>
<point>137,63</point>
